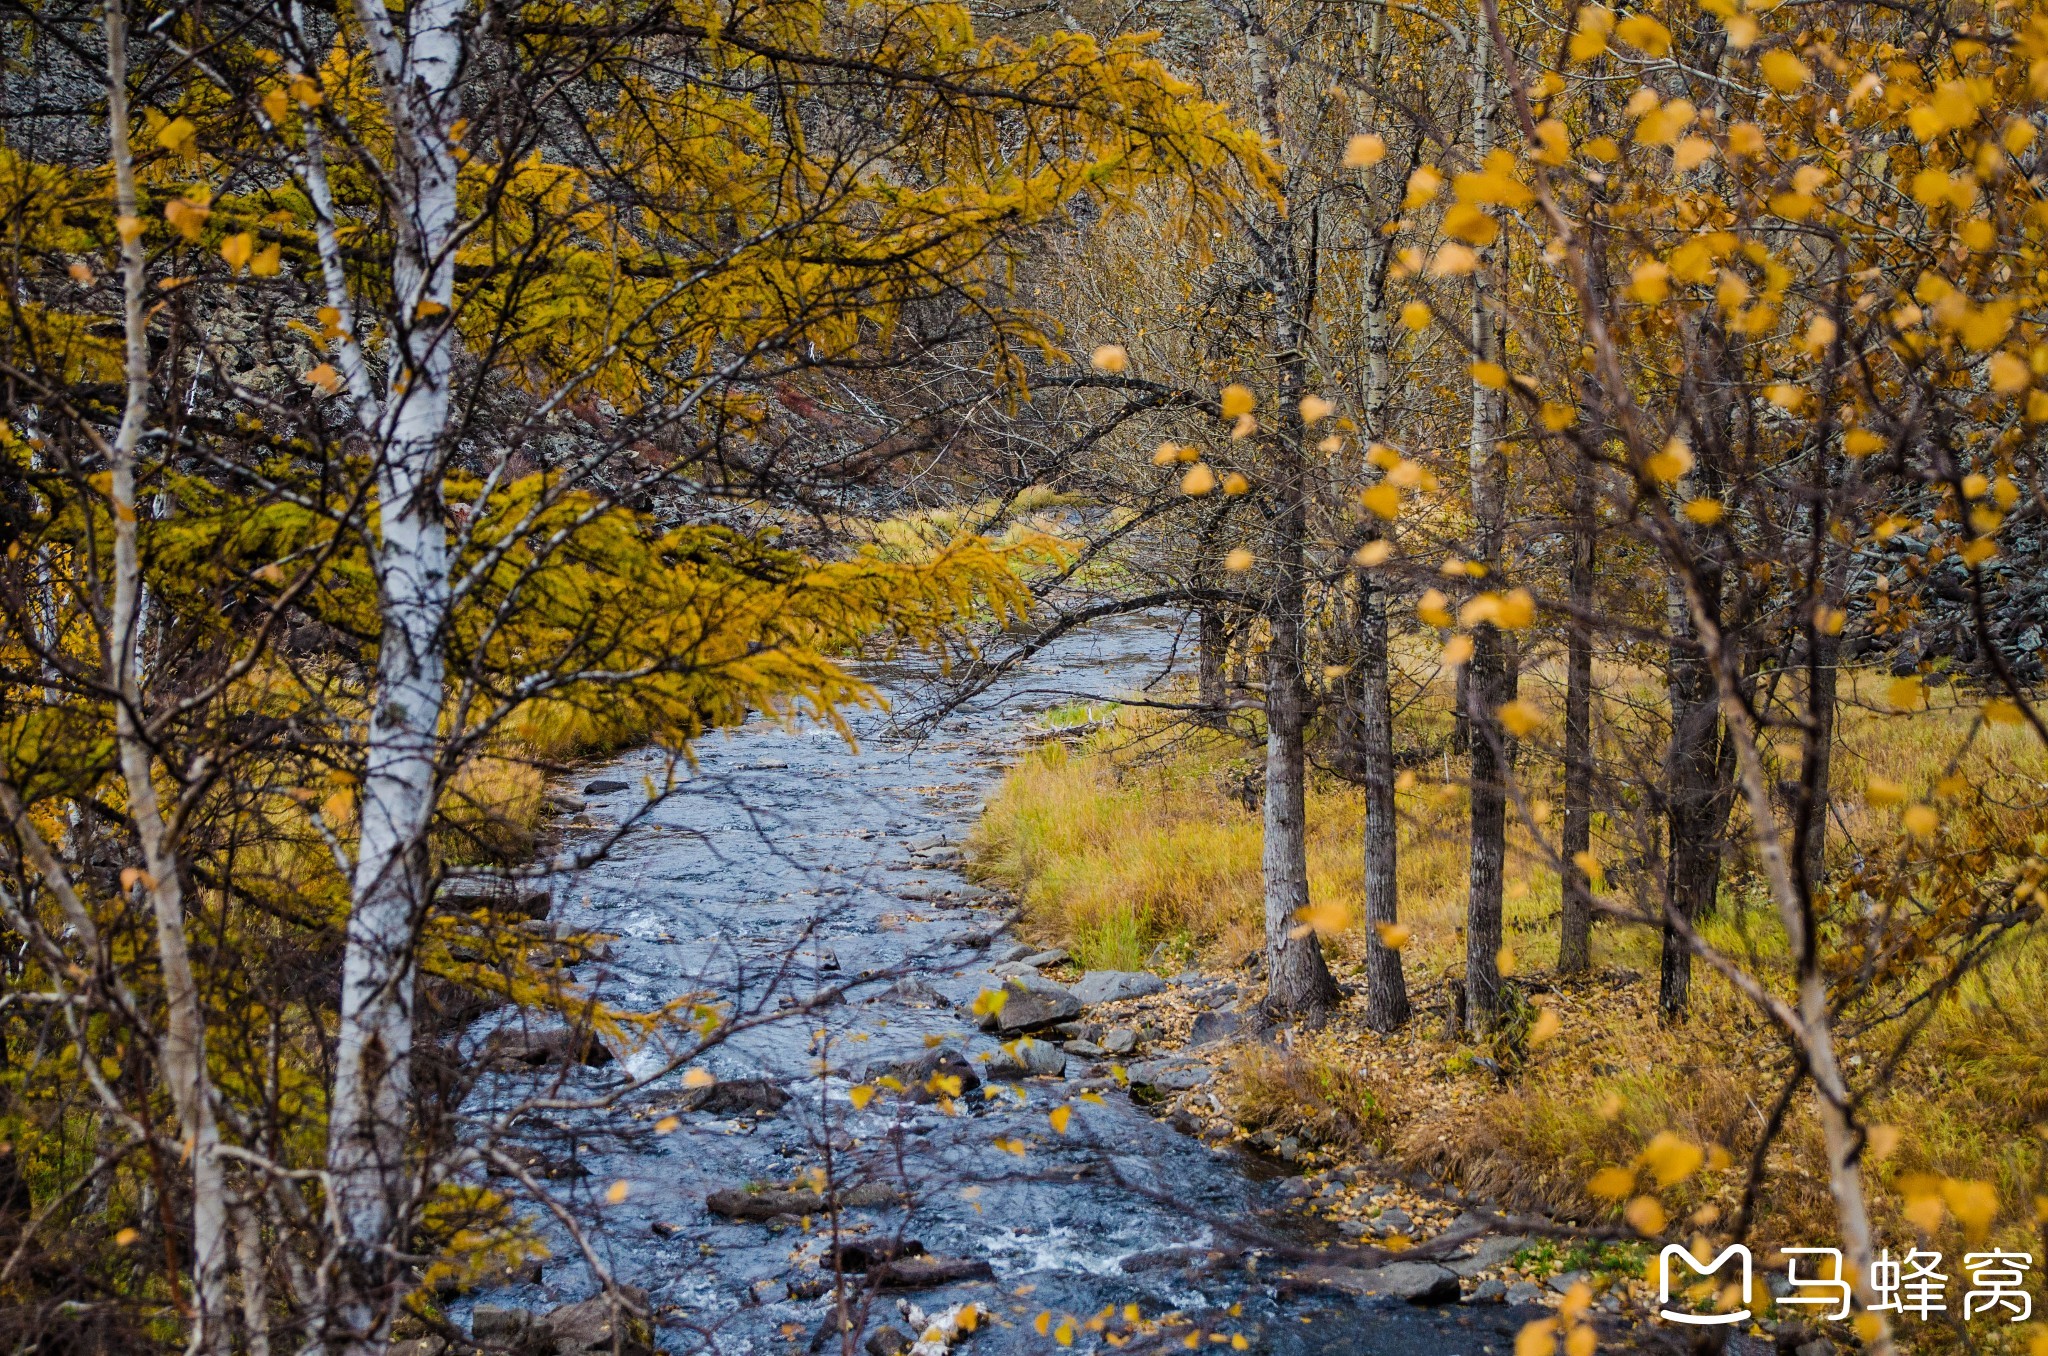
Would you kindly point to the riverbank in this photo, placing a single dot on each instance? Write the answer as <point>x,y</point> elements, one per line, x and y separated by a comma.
<point>1133,842</point>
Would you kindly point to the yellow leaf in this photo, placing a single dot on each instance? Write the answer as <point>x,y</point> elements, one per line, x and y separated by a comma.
<point>1471,225</point>
<point>1111,358</point>
<point>617,1191</point>
<point>1373,553</point>
<point>1557,418</point>
<point>1381,500</point>
<point>1670,464</point>
<point>1166,454</point>
<point>1742,31</point>
<point>1978,550</point>
<point>1315,409</point>
<point>1423,186</point>
<point>1453,260</point>
<point>1646,1216</point>
<point>187,217</point>
<point>1492,376</point>
<point>1415,315</point>
<point>1612,1184</point>
<point>1239,560</point>
<point>989,1002</point>
<point>1199,480</point>
<point>860,1095</point>
<point>699,1078</point>
<point>276,103</point>
<point>1245,427</point>
<point>1238,400</point>
<point>1545,1027</point>
<point>1364,151</point>
<point>1670,1159</point>
<point>1235,484</point>
<point>237,250</point>
<point>1433,608</point>
<point>1505,961</point>
<point>1538,1337</point>
<point>1520,718</point>
<point>1704,511</point>
<point>268,261</point>
<point>667,1125</point>
<point>1457,651</point>
<point>1327,917</point>
<point>1059,1116</point>
<point>2003,711</point>
<point>306,92</point>
<point>1064,1333</point>
<point>325,377</point>
<point>1393,936</point>
<point>1882,1142</point>
<point>1908,694</point>
<point>1881,792</point>
<point>1974,1204</point>
<point>1920,820</point>
<point>1650,282</point>
<point>1861,442</point>
<point>1043,1324</point>
<point>1782,71</point>
<point>177,134</point>
<point>1644,34</point>
<point>1690,153</point>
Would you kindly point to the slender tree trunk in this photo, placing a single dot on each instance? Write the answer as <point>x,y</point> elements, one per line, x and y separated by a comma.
<point>183,1042</point>
<point>371,1193</point>
<point>1213,693</point>
<point>1692,862</point>
<point>1487,673</point>
<point>1297,980</point>
<point>1386,989</point>
<point>1575,939</point>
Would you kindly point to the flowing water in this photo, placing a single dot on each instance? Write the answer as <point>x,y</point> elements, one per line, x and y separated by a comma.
<point>792,863</point>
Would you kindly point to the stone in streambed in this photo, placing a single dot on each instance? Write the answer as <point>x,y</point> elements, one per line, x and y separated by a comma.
<point>922,1273</point>
<point>917,1073</point>
<point>1414,1282</point>
<point>599,1324</point>
<point>604,786</point>
<point>1109,986</point>
<point>1028,1058</point>
<point>1030,1003</point>
<point>736,1096</point>
<point>1119,1040</point>
<point>1168,1075</point>
<point>759,1206</point>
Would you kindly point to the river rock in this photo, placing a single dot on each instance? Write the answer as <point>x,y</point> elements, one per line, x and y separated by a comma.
<point>1168,1075</point>
<point>922,1273</point>
<point>917,1072</point>
<point>886,1341</point>
<point>1015,951</point>
<point>1490,1252</point>
<point>538,1046</point>
<point>1525,1292</point>
<point>1415,1282</point>
<point>740,1203</point>
<point>1031,1003</point>
<point>599,1324</point>
<point>861,1256</point>
<point>1038,960</point>
<point>1210,1027</point>
<point>499,1325</point>
<point>1028,1058</point>
<point>604,786</point>
<point>736,1097</point>
<point>1119,1040</point>
<point>1085,1050</point>
<point>919,992</point>
<point>1489,1291</point>
<point>469,895</point>
<point>1107,986</point>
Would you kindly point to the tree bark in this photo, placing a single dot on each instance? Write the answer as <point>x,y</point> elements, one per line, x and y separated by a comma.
<point>371,1194</point>
<point>1575,935</point>
<point>183,1042</point>
<point>1692,862</point>
<point>1487,675</point>
<point>1386,988</point>
<point>1213,692</point>
<point>1297,979</point>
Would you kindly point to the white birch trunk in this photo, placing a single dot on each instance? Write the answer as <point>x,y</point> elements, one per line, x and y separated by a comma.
<point>183,1041</point>
<point>370,1185</point>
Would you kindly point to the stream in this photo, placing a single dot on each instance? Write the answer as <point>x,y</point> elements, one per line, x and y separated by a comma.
<point>791,864</point>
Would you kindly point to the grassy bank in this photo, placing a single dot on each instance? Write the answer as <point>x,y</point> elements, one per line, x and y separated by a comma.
<point>1140,845</point>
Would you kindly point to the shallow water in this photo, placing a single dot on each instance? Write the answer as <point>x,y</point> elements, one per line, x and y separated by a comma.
<point>788,851</point>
